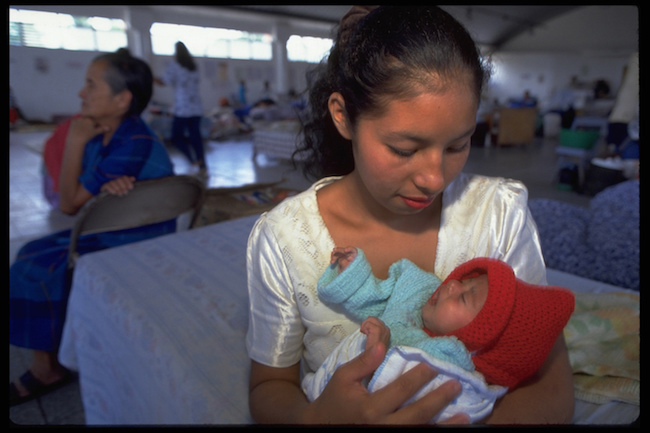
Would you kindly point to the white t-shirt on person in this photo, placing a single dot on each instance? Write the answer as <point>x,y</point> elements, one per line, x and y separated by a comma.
<point>187,96</point>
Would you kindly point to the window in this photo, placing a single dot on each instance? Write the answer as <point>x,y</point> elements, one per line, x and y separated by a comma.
<point>308,48</point>
<point>29,28</point>
<point>211,42</point>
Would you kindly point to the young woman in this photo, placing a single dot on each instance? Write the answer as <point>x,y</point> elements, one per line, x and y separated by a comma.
<point>393,115</point>
<point>108,147</point>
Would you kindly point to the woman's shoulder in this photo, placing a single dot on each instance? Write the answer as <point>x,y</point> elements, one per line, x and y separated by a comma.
<point>134,128</point>
<point>470,189</point>
<point>302,206</point>
<point>296,217</point>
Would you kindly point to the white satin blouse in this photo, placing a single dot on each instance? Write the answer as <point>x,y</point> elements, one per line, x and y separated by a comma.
<point>290,246</point>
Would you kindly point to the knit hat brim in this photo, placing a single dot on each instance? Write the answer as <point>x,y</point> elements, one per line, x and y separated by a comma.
<point>517,327</point>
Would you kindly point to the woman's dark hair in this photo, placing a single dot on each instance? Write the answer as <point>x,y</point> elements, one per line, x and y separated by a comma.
<point>183,57</point>
<point>125,72</point>
<point>390,52</point>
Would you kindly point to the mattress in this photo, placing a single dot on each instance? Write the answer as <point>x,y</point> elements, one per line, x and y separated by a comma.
<point>156,330</point>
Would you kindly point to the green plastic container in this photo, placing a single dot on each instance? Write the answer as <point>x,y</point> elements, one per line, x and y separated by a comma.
<point>582,139</point>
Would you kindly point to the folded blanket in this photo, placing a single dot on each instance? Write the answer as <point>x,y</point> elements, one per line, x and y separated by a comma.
<point>602,337</point>
<point>476,399</point>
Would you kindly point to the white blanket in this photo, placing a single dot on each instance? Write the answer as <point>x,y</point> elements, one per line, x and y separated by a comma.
<point>476,399</point>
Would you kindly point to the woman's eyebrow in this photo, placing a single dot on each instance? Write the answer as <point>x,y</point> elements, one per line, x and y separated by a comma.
<point>410,136</point>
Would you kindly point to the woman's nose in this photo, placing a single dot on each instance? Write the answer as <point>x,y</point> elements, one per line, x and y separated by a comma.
<point>429,175</point>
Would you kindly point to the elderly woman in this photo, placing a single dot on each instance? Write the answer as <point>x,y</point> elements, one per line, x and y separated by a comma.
<point>108,148</point>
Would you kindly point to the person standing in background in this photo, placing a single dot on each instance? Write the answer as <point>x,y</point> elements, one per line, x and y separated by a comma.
<point>183,75</point>
<point>241,92</point>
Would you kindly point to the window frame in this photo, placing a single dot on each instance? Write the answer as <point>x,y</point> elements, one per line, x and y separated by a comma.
<point>64,31</point>
<point>211,42</point>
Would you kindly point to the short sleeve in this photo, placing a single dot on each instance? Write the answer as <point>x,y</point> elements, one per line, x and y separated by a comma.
<point>519,246</point>
<point>275,330</point>
<point>489,217</point>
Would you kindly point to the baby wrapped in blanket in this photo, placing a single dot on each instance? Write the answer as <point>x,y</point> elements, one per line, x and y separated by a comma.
<point>481,326</point>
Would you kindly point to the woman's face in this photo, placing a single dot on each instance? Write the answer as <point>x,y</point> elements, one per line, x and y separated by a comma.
<point>97,98</point>
<point>406,156</point>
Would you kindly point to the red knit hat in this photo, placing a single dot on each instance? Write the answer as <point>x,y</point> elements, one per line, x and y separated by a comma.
<point>515,330</point>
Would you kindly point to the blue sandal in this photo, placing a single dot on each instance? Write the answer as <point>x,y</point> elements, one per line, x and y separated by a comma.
<point>35,387</point>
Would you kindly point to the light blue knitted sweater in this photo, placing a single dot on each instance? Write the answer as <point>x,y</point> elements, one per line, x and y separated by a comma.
<point>397,301</point>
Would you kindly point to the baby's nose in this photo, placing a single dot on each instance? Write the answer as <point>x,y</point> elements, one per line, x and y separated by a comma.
<point>454,286</point>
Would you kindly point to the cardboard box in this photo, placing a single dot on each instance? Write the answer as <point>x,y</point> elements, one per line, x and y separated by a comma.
<point>516,125</point>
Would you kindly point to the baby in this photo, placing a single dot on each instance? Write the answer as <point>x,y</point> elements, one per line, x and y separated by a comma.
<point>492,331</point>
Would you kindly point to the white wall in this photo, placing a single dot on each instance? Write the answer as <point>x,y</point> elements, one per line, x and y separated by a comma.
<point>589,43</point>
<point>46,82</point>
<point>543,74</point>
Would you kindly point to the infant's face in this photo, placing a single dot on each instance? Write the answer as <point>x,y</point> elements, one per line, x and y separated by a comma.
<point>455,304</point>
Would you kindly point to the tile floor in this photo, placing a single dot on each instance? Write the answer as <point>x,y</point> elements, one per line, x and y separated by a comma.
<point>230,164</point>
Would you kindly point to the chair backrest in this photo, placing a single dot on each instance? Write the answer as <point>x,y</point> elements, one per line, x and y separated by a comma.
<point>149,202</point>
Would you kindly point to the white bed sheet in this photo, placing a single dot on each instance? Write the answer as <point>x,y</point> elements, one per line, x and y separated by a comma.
<point>156,330</point>
<point>280,142</point>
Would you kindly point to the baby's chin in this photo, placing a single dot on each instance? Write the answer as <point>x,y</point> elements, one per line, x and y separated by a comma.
<point>428,319</point>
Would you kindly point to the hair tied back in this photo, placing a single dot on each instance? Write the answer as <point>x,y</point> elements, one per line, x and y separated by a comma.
<point>350,20</point>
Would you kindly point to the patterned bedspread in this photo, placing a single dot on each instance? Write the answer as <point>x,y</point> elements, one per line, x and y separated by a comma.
<point>603,341</point>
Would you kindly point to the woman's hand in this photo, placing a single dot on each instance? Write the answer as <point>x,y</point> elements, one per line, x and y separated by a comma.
<point>119,186</point>
<point>345,400</point>
<point>276,397</point>
<point>72,194</point>
<point>83,129</point>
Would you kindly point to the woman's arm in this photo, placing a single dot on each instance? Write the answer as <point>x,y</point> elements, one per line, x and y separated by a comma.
<point>547,398</point>
<point>275,395</point>
<point>72,193</point>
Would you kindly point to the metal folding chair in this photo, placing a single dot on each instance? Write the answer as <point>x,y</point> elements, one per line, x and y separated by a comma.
<point>149,202</point>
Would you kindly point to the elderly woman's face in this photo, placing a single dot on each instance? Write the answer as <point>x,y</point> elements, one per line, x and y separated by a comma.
<point>97,99</point>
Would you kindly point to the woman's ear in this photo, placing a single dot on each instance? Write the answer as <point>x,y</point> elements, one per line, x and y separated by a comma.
<point>124,100</point>
<point>336,105</point>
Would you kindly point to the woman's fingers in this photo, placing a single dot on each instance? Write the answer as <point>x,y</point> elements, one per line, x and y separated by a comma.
<point>355,405</point>
<point>119,186</point>
<point>389,399</point>
<point>429,405</point>
<point>364,365</point>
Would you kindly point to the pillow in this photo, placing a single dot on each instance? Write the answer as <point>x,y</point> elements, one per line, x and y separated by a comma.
<point>613,233</point>
<point>563,235</point>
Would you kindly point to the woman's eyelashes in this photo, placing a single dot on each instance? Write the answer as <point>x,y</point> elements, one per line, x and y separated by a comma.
<point>401,152</point>
<point>405,153</point>
<point>459,148</point>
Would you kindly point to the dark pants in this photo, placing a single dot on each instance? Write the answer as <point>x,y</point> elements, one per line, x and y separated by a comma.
<point>194,149</point>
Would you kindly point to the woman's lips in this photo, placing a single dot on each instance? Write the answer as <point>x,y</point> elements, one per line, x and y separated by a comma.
<point>417,203</point>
